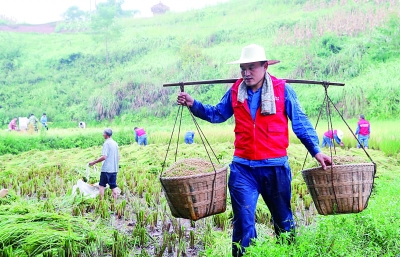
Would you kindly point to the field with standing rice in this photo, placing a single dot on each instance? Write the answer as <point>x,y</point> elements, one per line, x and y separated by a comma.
<point>40,216</point>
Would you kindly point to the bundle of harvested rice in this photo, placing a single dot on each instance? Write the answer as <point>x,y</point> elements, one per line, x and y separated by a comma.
<point>191,166</point>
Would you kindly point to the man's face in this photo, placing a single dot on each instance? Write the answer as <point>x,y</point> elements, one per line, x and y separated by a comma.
<point>253,73</point>
<point>105,136</point>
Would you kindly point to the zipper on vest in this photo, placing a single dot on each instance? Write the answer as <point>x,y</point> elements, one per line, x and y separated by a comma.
<point>254,139</point>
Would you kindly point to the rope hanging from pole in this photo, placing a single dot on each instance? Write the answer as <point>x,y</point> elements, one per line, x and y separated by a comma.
<point>204,141</point>
<point>326,104</point>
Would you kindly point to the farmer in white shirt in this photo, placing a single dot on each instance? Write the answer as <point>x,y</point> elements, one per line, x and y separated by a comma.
<point>109,169</point>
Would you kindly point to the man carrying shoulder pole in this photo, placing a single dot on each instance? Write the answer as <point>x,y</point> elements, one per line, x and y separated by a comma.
<point>261,105</point>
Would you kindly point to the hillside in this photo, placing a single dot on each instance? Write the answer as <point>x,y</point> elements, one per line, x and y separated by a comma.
<point>71,77</point>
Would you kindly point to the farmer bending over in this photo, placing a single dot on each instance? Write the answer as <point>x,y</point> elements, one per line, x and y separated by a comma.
<point>189,137</point>
<point>13,124</point>
<point>261,105</point>
<point>140,136</point>
<point>329,136</point>
<point>109,169</point>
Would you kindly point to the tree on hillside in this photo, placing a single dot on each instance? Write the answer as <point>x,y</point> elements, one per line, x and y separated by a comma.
<point>104,26</point>
<point>74,14</point>
<point>120,12</point>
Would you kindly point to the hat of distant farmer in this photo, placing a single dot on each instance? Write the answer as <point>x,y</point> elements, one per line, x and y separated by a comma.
<point>339,134</point>
<point>253,53</point>
<point>108,132</point>
<point>362,116</point>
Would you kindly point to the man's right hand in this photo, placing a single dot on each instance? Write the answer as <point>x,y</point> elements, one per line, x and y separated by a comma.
<point>185,99</point>
<point>323,159</point>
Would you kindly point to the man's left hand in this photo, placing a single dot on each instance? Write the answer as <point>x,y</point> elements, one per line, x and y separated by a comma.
<point>323,160</point>
<point>91,163</point>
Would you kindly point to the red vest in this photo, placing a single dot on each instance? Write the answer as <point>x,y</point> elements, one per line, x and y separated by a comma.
<point>364,127</point>
<point>140,132</point>
<point>266,137</point>
<point>330,134</point>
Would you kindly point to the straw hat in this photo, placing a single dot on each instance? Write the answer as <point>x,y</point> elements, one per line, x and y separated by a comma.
<point>253,53</point>
<point>339,134</point>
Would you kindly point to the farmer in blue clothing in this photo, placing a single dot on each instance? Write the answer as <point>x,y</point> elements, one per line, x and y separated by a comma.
<point>189,137</point>
<point>43,120</point>
<point>261,105</point>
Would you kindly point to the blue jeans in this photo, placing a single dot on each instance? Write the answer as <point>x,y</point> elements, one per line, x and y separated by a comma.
<point>326,141</point>
<point>188,140</point>
<point>363,140</point>
<point>245,185</point>
<point>142,140</point>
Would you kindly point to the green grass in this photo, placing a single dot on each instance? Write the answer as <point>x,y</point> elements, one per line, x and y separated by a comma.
<point>371,232</point>
<point>384,135</point>
<point>65,75</point>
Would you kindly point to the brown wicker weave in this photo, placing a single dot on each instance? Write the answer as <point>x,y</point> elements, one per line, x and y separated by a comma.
<point>190,197</point>
<point>352,186</point>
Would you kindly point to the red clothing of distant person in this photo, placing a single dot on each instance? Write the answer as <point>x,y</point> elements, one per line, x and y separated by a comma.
<point>330,134</point>
<point>364,127</point>
<point>13,124</point>
<point>140,132</point>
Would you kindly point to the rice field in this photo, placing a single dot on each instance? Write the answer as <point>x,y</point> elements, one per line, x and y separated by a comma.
<point>41,217</point>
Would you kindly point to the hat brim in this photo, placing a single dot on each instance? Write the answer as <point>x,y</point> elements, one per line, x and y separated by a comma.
<point>270,62</point>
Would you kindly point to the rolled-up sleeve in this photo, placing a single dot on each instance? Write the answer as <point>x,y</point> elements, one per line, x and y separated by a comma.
<point>214,114</point>
<point>301,125</point>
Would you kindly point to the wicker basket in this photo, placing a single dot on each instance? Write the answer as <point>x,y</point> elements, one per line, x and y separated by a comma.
<point>345,189</point>
<point>191,197</point>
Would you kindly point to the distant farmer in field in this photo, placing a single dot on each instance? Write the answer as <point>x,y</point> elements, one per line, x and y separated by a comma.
<point>363,131</point>
<point>82,124</point>
<point>261,105</point>
<point>43,120</point>
<point>140,136</point>
<point>32,123</point>
<point>13,124</point>
<point>329,136</point>
<point>109,169</point>
<point>189,137</point>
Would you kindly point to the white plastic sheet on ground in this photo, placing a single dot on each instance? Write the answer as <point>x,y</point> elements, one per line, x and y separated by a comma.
<point>86,189</point>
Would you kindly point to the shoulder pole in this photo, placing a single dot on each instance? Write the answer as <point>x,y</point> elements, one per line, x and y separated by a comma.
<point>228,81</point>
